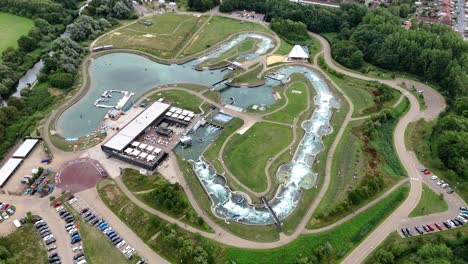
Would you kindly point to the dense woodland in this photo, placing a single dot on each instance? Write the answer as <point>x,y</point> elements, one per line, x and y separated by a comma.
<point>434,53</point>
<point>202,5</point>
<point>62,56</point>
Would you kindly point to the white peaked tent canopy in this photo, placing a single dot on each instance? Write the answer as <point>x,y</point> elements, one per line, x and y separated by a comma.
<point>298,52</point>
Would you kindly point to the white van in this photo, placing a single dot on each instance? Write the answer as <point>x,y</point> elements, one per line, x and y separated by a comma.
<point>17,223</point>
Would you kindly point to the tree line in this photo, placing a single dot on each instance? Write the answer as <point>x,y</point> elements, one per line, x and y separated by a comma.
<point>202,5</point>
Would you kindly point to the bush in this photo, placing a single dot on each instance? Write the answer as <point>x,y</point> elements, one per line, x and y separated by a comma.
<point>62,80</point>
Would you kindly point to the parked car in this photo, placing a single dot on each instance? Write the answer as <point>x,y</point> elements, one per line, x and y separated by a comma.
<point>84,211</point>
<point>438,226</point>
<point>50,248</point>
<point>77,248</point>
<point>447,225</point>
<point>461,219</point>
<point>440,182</point>
<point>450,222</point>
<point>11,211</point>
<point>50,241</point>
<point>444,185</point>
<point>141,261</point>
<point>5,215</point>
<point>76,241</point>
<point>449,191</point>
<point>431,228</point>
<point>95,221</point>
<point>77,256</point>
<point>72,201</point>
<point>27,191</point>
<point>434,177</point>
<point>456,221</point>
<point>419,230</point>
<point>426,228</point>
<point>70,197</point>
<point>427,172</point>
<point>57,204</point>
<point>120,244</point>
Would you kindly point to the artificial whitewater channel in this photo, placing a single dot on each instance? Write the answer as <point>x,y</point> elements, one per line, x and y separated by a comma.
<point>138,74</point>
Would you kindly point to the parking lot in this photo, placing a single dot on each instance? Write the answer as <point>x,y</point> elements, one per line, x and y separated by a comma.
<point>93,217</point>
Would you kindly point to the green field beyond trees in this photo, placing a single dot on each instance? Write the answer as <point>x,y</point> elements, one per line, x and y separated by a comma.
<point>247,155</point>
<point>11,29</point>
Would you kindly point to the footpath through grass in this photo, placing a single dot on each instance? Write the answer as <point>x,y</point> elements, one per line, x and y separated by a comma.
<point>429,203</point>
<point>23,246</point>
<point>11,29</point>
<point>297,102</point>
<point>247,155</point>
<point>218,29</point>
<point>341,239</point>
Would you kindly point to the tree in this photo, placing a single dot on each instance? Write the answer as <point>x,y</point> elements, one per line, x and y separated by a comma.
<point>27,43</point>
<point>357,60</point>
<point>62,80</point>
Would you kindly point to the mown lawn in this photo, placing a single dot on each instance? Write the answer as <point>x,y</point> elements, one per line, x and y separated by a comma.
<point>217,30</point>
<point>284,48</point>
<point>222,60</point>
<point>429,203</point>
<point>164,38</point>
<point>11,29</point>
<point>247,155</point>
<point>249,77</point>
<point>297,98</point>
<point>24,246</point>
<point>342,239</point>
<point>179,99</point>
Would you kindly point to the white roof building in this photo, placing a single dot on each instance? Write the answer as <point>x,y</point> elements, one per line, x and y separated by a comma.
<point>8,168</point>
<point>298,52</point>
<point>25,148</point>
<point>133,129</point>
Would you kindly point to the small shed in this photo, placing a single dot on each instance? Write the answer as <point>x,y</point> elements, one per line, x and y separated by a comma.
<point>298,53</point>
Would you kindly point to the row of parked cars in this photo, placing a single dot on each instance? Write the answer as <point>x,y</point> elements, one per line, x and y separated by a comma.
<point>49,239</point>
<point>459,220</point>
<point>113,236</point>
<point>72,230</point>
<point>440,182</point>
<point>7,211</point>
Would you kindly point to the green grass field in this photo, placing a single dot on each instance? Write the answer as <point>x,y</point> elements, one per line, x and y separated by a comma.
<point>297,104</point>
<point>136,182</point>
<point>342,238</point>
<point>429,203</point>
<point>164,38</point>
<point>12,28</point>
<point>247,155</point>
<point>250,77</point>
<point>179,98</point>
<point>24,246</point>
<point>217,30</point>
<point>284,48</point>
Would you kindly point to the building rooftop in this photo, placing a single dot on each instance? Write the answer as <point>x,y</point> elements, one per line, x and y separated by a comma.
<point>25,148</point>
<point>127,134</point>
<point>298,52</point>
<point>8,169</point>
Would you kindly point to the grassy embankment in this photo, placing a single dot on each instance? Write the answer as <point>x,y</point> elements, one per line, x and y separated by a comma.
<point>250,77</point>
<point>223,59</point>
<point>357,157</point>
<point>158,193</point>
<point>23,246</point>
<point>429,203</point>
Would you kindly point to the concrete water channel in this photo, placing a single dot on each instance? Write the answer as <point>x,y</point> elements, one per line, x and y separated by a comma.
<point>138,74</point>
